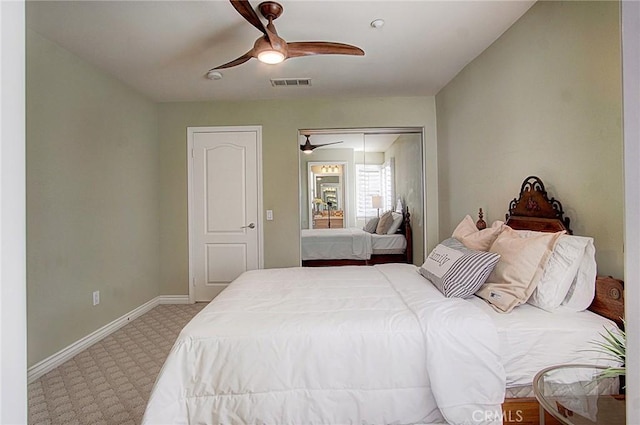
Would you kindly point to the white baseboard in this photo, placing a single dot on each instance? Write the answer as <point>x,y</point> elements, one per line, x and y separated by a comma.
<point>55,360</point>
<point>173,299</point>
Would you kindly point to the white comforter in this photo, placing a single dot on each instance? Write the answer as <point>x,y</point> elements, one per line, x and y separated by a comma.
<point>347,244</point>
<point>365,345</point>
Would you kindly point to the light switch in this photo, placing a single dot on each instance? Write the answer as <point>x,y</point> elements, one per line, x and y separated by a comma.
<point>269,215</point>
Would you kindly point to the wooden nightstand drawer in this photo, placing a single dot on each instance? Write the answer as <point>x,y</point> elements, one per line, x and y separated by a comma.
<point>323,223</point>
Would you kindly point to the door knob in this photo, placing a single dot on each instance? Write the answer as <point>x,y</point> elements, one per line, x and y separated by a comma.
<point>250,226</point>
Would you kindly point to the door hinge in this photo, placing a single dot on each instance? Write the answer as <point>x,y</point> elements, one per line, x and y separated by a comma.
<point>193,281</point>
<point>191,153</point>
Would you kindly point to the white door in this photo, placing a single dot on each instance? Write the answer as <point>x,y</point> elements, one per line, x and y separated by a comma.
<point>224,220</point>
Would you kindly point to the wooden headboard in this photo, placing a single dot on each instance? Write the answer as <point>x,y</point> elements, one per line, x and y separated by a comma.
<point>534,210</point>
<point>408,234</point>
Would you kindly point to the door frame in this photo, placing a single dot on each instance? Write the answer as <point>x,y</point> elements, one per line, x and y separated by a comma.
<point>191,131</point>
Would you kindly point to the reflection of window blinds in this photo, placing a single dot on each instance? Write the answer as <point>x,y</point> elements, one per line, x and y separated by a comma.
<point>374,179</point>
<point>368,183</point>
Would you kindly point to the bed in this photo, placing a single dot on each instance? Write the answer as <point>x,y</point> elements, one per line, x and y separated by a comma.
<point>369,345</point>
<point>354,246</point>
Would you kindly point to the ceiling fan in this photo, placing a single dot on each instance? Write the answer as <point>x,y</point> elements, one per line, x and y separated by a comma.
<point>271,48</point>
<point>308,147</point>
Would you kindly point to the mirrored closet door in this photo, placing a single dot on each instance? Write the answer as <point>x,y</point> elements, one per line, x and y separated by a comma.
<point>349,176</point>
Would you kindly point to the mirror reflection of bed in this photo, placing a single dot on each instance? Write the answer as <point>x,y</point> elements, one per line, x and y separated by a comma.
<point>361,197</point>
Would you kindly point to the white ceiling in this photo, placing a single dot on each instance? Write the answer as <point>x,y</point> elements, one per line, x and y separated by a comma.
<point>163,49</point>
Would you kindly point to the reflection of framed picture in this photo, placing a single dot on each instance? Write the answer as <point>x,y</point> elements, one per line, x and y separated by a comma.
<point>328,182</point>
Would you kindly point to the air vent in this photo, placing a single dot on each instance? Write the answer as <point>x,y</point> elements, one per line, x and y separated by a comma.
<point>291,82</point>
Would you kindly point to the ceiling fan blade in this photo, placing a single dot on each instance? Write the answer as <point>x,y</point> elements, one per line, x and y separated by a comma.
<point>245,9</point>
<point>239,61</point>
<point>308,48</point>
<point>326,144</point>
<point>308,147</point>
<point>274,39</point>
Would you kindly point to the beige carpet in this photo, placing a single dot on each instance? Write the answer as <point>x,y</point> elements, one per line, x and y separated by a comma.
<point>110,382</point>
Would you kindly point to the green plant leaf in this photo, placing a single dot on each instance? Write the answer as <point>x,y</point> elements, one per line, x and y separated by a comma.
<point>613,345</point>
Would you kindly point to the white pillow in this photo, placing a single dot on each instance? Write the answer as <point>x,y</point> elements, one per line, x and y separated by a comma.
<point>560,273</point>
<point>397,221</point>
<point>583,288</point>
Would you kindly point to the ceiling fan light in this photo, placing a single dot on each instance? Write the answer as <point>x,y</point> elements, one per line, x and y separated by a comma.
<point>270,56</point>
<point>307,151</point>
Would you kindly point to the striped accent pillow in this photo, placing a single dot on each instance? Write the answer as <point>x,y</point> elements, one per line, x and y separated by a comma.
<point>456,270</point>
<point>371,225</point>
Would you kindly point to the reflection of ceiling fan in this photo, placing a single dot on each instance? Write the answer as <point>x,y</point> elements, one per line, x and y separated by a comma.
<point>270,48</point>
<point>308,147</point>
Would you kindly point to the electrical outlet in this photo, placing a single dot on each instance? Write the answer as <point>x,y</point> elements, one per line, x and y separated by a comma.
<point>96,297</point>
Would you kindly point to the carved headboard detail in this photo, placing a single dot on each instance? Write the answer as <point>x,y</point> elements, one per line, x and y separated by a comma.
<point>533,210</point>
<point>609,299</point>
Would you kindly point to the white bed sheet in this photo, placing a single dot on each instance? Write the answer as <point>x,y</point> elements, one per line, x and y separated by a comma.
<point>368,345</point>
<point>326,244</point>
<point>395,242</point>
<point>532,339</point>
<point>307,345</point>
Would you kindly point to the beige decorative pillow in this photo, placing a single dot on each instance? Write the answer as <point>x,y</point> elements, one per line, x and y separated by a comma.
<point>386,220</point>
<point>519,270</point>
<point>472,238</point>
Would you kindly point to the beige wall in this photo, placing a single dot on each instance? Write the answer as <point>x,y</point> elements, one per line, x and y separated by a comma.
<point>92,198</point>
<point>280,121</point>
<point>545,100</point>
<point>106,185</point>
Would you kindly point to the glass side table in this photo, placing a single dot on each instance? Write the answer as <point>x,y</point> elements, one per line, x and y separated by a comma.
<point>575,395</point>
